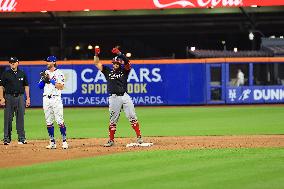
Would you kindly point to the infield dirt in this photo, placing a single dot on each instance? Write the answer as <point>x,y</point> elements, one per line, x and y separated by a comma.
<point>34,152</point>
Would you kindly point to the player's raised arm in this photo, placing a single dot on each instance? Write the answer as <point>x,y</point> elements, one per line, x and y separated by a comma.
<point>127,65</point>
<point>97,59</point>
<point>97,63</point>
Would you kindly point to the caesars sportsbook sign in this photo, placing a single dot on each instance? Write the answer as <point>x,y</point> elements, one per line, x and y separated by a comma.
<point>148,84</point>
<point>87,86</point>
<point>80,5</point>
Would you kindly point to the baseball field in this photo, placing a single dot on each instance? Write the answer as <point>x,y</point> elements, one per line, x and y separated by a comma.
<point>194,147</point>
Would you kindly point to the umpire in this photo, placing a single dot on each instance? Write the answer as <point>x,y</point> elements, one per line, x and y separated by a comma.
<point>14,84</point>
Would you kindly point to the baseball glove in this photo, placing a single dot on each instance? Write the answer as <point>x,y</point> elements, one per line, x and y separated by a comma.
<point>44,77</point>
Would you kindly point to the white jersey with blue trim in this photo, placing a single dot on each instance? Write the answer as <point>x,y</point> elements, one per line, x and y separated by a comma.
<point>58,76</point>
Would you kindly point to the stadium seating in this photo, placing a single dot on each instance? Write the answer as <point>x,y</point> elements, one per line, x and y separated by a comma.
<point>276,50</point>
<point>224,53</point>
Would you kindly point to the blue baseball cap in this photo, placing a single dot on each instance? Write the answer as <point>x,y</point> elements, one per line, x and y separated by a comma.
<point>51,59</point>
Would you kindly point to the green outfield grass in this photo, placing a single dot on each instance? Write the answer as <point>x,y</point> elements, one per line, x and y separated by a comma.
<point>174,121</point>
<point>210,168</point>
<point>204,168</point>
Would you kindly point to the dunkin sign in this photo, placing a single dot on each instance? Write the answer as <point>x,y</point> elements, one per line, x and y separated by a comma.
<point>81,5</point>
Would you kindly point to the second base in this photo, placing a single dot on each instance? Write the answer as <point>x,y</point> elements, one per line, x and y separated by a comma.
<point>139,145</point>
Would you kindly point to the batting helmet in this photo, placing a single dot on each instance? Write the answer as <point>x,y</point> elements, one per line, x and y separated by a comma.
<point>117,60</point>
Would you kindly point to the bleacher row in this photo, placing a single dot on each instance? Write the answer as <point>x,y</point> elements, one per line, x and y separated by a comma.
<point>275,50</point>
<point>270,47</point>
<point>226,54</point>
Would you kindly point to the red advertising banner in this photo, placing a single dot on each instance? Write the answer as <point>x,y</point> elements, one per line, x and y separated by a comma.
<point>80,5</point>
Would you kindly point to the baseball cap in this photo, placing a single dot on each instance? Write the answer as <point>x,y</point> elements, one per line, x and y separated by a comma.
<point>51,59</point>
<point>13,60</point>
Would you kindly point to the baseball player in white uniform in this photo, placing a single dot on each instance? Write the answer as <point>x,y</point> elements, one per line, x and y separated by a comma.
<point>52,81</point>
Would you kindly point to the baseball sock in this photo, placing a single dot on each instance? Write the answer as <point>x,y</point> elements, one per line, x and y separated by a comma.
<point>50,130</point>
<point>63,131</point>
<point>135,126</point>
<point>112,129</point>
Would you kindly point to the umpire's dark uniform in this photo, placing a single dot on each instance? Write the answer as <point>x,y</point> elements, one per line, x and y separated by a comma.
<point>14,83</point>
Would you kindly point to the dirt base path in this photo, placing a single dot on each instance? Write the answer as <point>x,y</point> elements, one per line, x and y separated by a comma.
<point>34,152</point>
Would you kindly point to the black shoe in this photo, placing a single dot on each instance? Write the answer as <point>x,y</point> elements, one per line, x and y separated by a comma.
<point>6,143</point>
<point>22,142</point>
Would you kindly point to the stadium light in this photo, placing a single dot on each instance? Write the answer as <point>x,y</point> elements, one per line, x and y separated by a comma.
<point>77,47</point>
<point>224,45</point>
<point>251,36</point>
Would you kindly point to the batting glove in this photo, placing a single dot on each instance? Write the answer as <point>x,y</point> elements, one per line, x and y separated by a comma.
<point>115,50</point>
<point>97,50</point>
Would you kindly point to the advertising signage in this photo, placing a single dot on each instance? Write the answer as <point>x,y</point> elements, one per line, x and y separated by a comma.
<point>255,94</point>
<point>81,5</point>
<point>148,84</point>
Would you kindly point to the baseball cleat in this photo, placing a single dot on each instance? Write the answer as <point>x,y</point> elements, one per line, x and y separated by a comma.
<point>140,140</point>
<point>109,143</point>
<point>22,142</point>
<point>51,145</point>
<point>65,145</point>
<point>6,143</point>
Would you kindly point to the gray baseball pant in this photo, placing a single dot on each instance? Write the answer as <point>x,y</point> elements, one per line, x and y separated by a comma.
<point>14,105</point>
<point>116,103</point>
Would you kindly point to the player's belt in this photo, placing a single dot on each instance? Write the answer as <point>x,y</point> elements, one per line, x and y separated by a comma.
<point>116,94</point>
<point>15,94</point>
<point>50,96</point>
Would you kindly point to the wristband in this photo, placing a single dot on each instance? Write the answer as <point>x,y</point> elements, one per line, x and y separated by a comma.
<point>52,81</point>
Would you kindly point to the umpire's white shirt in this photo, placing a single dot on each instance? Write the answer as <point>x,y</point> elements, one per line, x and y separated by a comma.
<point>49,89</point>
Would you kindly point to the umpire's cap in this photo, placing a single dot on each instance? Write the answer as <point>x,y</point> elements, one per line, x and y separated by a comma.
<point>13,60</point>
<point>51,59</point>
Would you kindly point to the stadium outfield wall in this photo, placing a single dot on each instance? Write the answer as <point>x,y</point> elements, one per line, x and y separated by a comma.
<point>159,82</point>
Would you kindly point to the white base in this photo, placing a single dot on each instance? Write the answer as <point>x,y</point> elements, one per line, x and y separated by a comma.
<point>139,145</point>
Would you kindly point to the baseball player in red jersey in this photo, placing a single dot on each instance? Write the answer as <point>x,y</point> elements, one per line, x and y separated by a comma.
<point>118,97</point>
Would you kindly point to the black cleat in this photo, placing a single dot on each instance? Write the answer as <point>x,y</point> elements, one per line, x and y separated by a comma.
<point>22,142</point>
